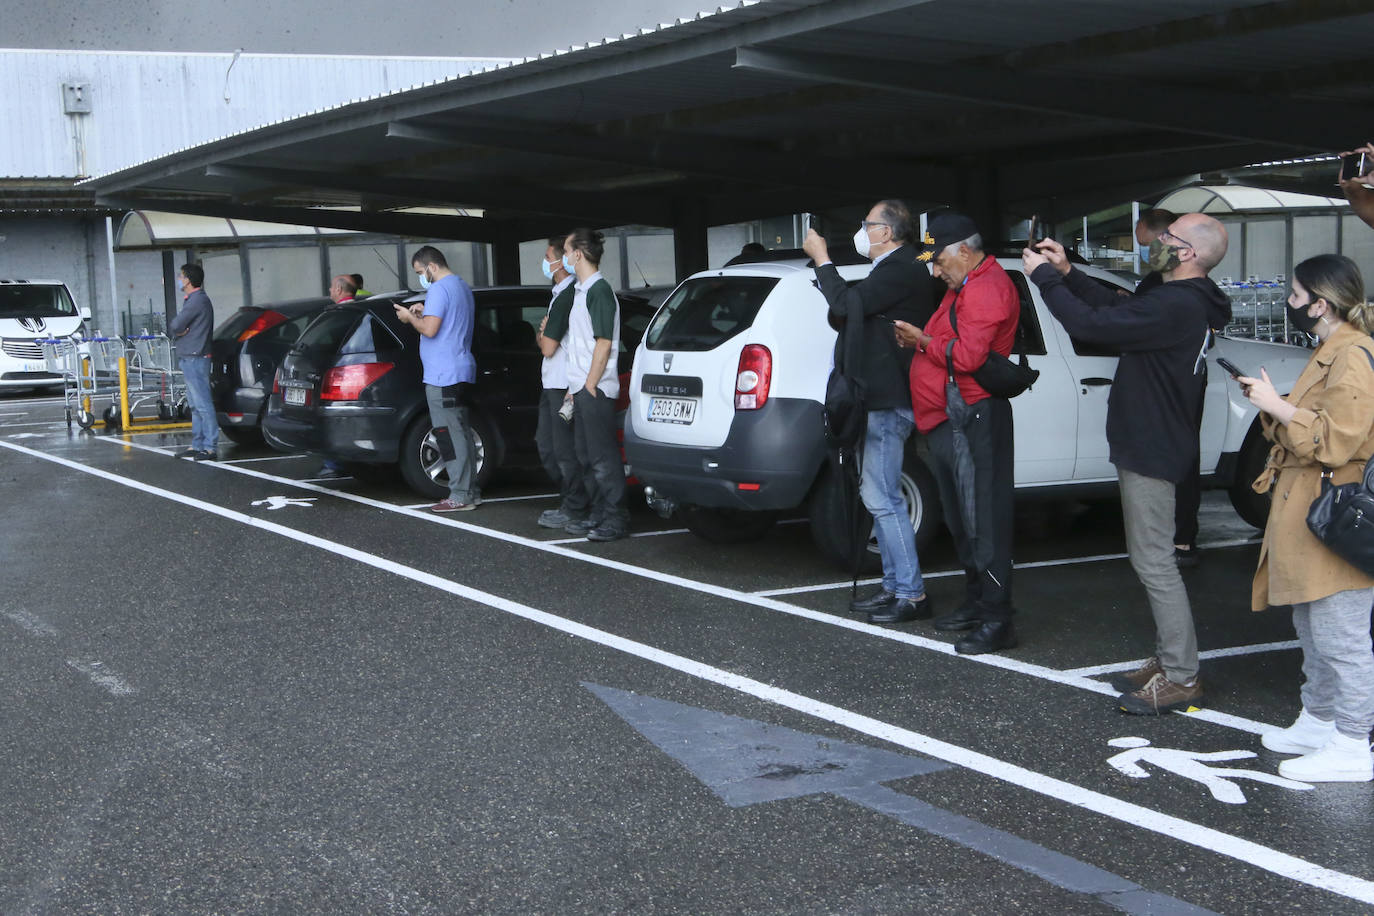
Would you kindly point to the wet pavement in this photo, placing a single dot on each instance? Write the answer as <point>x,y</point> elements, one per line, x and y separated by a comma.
<point>228,687</point>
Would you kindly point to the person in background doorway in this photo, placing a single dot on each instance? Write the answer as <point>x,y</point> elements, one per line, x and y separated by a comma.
<point>445,322</point>
<point>1324,426</point>
<point>192,329</point>
<point>358,290</point>
<point>554,435</point>
<point>749,254</point>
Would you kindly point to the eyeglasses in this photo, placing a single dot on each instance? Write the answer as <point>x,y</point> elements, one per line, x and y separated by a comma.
<point>1168,234</point>
<point>868,224</point>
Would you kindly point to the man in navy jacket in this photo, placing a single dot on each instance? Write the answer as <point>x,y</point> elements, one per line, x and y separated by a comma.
<point>1163,335</point>
<point>898,288</point>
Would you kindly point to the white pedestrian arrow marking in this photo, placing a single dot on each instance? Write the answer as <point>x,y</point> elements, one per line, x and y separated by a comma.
<point>281,502</point>
<point>26,436</point>
<point>1190,765</point>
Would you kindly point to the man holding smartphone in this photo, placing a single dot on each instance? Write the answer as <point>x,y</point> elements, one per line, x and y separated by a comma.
<point>1163,336</point>
<point>898,287</point>
<point>1355,182</point>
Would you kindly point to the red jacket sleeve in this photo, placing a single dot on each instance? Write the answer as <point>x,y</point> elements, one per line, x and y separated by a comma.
<point>981,313</point>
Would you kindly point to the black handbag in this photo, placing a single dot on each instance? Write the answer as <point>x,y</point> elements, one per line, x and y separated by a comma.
<point>1342,518</point>
<point>846,416</point>
<point>999,376</point>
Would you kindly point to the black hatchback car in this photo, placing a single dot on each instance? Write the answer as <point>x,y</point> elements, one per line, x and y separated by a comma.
<point>351,387</point>
<point>245,352</point>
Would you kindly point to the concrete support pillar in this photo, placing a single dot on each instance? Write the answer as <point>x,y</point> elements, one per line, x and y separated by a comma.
<point>505,255</point>
<point>690,252</point>
<point>169,285</point>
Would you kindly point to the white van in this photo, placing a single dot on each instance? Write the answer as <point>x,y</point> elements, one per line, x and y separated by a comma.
<point>30,311</point>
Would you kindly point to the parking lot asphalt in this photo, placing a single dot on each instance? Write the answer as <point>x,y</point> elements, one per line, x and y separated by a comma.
<point>226,687</point>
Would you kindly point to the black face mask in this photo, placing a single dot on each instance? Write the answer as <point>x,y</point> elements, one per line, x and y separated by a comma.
<point>1299,318</point>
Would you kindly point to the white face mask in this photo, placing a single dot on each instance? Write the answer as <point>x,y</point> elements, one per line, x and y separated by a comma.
<point>861,243</point>
<point>424,279</point>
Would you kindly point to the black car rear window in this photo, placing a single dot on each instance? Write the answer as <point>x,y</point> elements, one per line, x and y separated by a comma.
<point>701,314</point>
<point>236,324</point>
<point>328,332</point>
<point>36,301</point>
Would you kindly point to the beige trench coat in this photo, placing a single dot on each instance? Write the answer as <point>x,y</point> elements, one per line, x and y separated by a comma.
<point>1333,428</point>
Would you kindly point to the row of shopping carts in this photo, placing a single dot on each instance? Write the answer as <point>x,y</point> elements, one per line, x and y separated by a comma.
<point>134,375</point>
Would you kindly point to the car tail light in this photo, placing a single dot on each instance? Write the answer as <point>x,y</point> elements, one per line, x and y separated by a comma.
<point>754,376</point>
<point>346,383</point>
<point>276,382</point>
<point>267,320</point>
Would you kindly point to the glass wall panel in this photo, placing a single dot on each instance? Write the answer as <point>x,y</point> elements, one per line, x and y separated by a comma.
<point>1357,243</point>
<point>223,282</point>
<point>285,273</point>
<point>651,261</point>
<point>376,261</point>
<point>1313,235</point>
<point>1265,249</point>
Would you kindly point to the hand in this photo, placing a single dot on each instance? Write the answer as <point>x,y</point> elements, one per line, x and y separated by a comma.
<point>417,310</point>
<point>590,387</point>
<point>815,247</point>
<point>908,335</point>
<point>1260,392</point>
<point>542,324</point>
<point>1054,252</point>
<point>1031,259</point>
<point>402,313</point>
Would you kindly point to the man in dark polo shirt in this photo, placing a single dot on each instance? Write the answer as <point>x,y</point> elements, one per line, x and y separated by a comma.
<point>191,330</point>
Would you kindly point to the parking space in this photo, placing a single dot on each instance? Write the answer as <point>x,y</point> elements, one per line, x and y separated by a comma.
<point>318,694</point>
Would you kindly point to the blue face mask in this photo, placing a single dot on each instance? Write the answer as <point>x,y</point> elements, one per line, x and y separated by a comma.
<point>567,265</point>
<point>1144,252</point>
<point>424,280</point>
<point>548,271</point>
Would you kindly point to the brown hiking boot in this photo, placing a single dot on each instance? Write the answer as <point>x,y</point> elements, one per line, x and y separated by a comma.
<point>1161,695</point>
<point>1130,681</point>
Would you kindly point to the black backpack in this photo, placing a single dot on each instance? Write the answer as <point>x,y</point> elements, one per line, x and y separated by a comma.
<point>846,417</point>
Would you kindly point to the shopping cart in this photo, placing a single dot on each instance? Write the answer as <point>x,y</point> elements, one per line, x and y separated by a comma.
<point>89,368</point>
<point>153,379</point>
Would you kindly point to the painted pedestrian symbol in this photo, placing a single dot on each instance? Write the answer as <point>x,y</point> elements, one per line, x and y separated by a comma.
<point>745,762</point>
<point>1192,765</point>
<point>281,502</point>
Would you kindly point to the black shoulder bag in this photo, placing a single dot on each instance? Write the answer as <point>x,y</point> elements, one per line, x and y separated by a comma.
<point>999,376</point>
<point>846,417</point>
<point>1342,517</point>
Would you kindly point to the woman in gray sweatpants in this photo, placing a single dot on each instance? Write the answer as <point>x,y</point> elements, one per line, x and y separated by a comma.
<point>1324,427</point>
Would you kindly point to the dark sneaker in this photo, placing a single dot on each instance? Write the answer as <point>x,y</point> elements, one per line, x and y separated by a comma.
<point>903,610</point>
<point>1130,681</point>
<point>207,455</point>
<point>448,505</point>
<point>991,636</point>
<point>185,453</point>
<point>964,617</point>
<point>1161,695</point>
<point>880,599</point>
<point>329,474</point>
<point>580,526</point>
<point>1187,557</point>
<point>553,518</point>
<point>608,532</point>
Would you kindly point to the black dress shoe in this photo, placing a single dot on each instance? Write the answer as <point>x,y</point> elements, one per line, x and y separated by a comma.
<point>992,636</point>
<point>904,609</point>
<point>185,453</point>
<point>875,602</point>
<point>964,617</point>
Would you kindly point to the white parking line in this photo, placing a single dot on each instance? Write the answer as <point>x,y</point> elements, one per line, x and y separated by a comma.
<point>1004,662</point>
<point>102,677</point>
<point>1253,649</point>
<point>32,624</point>
<point>268,458</point>
<point>636,534</point>
<point>1202,837</point>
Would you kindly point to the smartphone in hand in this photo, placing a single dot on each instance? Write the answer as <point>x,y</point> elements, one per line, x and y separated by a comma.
<point>1231,368</point>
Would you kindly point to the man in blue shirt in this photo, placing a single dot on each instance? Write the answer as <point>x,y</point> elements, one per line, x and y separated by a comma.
<point>445,325</point>
<point>191,329</point>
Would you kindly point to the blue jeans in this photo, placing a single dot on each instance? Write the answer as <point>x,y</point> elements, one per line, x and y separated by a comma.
<point>204,426</point>
<point>881,492</point>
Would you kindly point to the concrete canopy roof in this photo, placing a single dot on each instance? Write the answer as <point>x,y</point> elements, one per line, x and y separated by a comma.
<point>786,106</point>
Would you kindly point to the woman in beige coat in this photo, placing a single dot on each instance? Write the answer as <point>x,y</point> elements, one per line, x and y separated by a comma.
<point>1325,423</point>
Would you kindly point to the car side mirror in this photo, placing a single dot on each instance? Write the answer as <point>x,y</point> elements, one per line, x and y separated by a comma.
<point>85,313</point>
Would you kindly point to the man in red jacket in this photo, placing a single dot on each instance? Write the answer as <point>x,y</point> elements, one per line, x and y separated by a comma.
<point>985,309</point>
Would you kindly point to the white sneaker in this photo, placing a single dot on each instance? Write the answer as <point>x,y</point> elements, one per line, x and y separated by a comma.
<point>1305,735</point>
<point>1341,759</point>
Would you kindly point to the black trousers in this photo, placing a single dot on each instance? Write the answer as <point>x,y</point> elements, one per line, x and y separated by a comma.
<point>987,557</point>
<point>598,457</point>
<point>553,436</point>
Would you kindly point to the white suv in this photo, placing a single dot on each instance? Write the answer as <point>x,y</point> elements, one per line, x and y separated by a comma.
<point>725,420</point>
<point>30,311</point>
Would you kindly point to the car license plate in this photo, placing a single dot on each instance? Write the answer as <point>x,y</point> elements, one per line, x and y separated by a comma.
<point>295,396</point>
<point>672,410</point>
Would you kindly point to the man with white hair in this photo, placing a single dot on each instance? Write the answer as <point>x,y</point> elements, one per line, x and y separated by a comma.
<point>978,315</point>
<point>1163,335</point>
